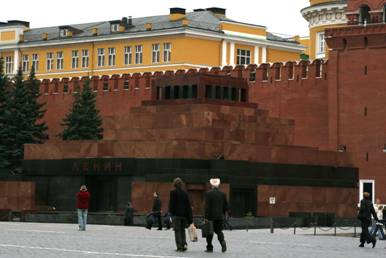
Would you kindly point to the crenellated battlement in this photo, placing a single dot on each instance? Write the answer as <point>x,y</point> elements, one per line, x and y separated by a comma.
<point>263,75</point>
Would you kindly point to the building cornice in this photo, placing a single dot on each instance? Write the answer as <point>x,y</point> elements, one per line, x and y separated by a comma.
<point>244,38</point>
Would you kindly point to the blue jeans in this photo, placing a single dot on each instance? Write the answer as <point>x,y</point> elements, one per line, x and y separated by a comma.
<point>82,219</point>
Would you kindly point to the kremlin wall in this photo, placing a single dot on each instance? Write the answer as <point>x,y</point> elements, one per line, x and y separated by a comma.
<point>310,133</point>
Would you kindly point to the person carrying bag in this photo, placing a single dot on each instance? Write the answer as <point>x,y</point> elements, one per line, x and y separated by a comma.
<point>181,212</point>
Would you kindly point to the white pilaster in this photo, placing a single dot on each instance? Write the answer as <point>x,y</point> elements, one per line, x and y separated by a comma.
<point>16,61</point>
<point>224,53</point>
<point>257,55</point>
<point>264,55</point>
<point>232,54</point>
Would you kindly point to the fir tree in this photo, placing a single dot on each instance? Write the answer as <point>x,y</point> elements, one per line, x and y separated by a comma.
<point>23,115</point>
<point>36,110</point>
<point>4,129</point>
<point>83,122</point>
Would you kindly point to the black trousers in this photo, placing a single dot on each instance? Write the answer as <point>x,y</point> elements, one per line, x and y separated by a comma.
<point>179,225</point>
<point>157,216</point>
<point>365,235</point>
<point>217,228</point>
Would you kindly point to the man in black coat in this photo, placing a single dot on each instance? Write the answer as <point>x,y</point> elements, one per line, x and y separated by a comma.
<point>181,212</point>
<point>157,205</point>
<point>366,209</point>
<point>216,206</point>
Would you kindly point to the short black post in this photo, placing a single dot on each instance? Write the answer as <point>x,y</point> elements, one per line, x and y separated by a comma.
<point>355,230</point>
<point>295,229</point>
<point>314,229</point>
<point>271,225</point>
<point>334,229</point>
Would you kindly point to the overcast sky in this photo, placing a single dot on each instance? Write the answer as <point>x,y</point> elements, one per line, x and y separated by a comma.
<point>280,16</point>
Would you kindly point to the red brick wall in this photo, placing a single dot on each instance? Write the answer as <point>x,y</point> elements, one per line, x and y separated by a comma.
<point>341,201</point>
<point>359,110</point>
<point>17,196</point>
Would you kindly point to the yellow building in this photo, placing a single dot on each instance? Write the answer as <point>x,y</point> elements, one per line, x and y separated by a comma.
<point>322,14</point>
<point>179,40</point>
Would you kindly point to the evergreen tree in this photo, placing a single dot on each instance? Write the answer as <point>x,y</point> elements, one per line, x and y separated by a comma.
<point>83,122</point>
<point>36,110</point>
<point>23,116</point>
<point>4,130</point>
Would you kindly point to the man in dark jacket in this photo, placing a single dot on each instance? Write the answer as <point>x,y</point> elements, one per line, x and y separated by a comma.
<point>181,212</point>
<point>366,209</point>
<point>157,205</point>
<point>216,206</point>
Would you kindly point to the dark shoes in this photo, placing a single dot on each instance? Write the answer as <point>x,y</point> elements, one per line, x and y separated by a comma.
<point>208,250</point>
<point>159,229</point>
<point>374,243</point>
<point>223,247</point>
<point>362,245</point>
<point>183,249</point>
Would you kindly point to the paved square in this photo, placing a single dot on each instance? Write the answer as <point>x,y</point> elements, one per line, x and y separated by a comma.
<point>63,240</point>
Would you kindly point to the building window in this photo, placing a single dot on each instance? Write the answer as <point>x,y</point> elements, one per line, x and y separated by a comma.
<point>75,59</point>
<point>155,54</point>
<point>35,61</point>
<point>243,57</point>
<point>128,55</point>
<point>167,52</point>
<point>63,33</point>
<point>114,27</point>
<point>126,84</point>
<point>25,66</point>
<point>85,58</point>
<point>8,64</point>
<point>65,88</point>
<point>112,57</point>
<point>320,45</point>
<point>59,61</point>
<point>138,54</point>
<point>101,57</point>
<point>50,61</point>
<point>105,85</point>
<point>364,14</point>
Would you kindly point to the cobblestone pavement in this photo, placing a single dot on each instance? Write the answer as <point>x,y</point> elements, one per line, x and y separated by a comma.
<point>34,240</point>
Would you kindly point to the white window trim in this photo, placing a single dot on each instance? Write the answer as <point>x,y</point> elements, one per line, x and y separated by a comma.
<point>50,61</point>
<point>25,64</point>
<point>101,56</point>
<point>114,27</point>
<point>75,59</point>
<point>156,53</point>
<point>59,60</point>
<point>138,60</point>
<point>8,64</point>
<point>239,56</point>
<point>85,58</point>
<point>318,53</point>
<point>128,53</point>
<point>167,53</point>
<point>35,61</point>
<point>112,56</point>
<point>361,182</point>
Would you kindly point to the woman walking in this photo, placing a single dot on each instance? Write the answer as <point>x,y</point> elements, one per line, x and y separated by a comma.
<point>83,198</point>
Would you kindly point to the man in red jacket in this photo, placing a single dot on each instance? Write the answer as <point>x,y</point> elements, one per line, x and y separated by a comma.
<point>83,197</point>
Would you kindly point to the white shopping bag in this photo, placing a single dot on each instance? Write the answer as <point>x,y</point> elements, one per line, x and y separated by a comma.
<point>192,232</point>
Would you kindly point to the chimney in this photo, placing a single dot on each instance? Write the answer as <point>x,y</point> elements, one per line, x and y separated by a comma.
<point>177,14</point>
<point>148,26</point>
<point>219,12</point>
<point>94,31</point>
<point>130,21</point>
